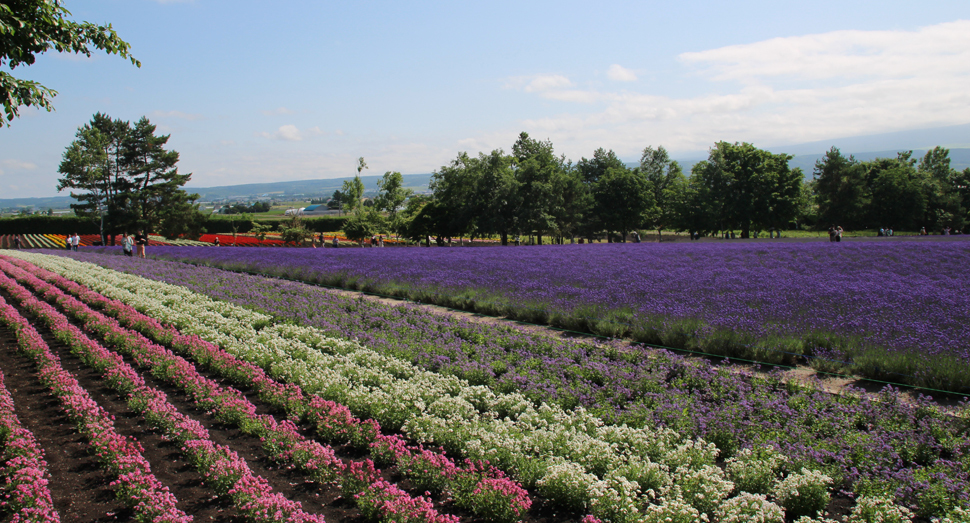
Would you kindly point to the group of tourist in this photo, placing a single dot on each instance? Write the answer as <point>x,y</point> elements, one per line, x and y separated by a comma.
<point>73,242</point>
<point>835,233</point>
<point>888,231</point>
<point>138,241</point>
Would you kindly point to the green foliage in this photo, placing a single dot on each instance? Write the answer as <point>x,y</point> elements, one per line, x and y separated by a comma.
<point>743,187</point>
<point>32,27</point>
<point>242,208</point>
<point>293,231</point>
<point>363,225</point>
<point>126,180</point>
<point>666,185</point>
<point>41,224</point>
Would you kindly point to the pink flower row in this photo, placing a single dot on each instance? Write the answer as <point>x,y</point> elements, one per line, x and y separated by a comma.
<point>478,487</point>
<point>25,491</point>
<point>221,468</point>
<point>281,440</point>
<point>135,484</point>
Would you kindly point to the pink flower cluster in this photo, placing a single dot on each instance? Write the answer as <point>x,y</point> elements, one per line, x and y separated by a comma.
<point>478,487</point>
<point>23,468</point>
<point>136,485</point>
<point>225,471</point>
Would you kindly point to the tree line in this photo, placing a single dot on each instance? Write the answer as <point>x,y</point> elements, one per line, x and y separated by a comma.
<point>738,188</point>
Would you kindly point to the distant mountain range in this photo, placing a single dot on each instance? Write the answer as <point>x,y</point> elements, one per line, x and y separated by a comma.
<point>956,138</point>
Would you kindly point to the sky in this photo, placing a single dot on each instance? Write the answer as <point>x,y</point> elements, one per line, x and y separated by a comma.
<point>256,91</point>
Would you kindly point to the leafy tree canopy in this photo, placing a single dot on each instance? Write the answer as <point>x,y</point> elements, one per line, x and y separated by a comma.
<point>32,27</point>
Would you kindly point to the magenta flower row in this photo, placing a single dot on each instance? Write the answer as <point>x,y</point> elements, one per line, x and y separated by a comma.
<point>22,465</point>
<point>281,440</point>
<point>136,485</point>
<point>483,489</point>
<point>226,472</point>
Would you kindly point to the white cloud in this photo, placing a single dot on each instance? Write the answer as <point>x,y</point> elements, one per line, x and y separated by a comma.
<point>618,73</point>
<point>292,133</point>
<point>177,114</point>
<point>538,83</point>
<point>289,132</point>
<point>783,90</point>
<point>19,164</point>
<point>938,50</point>
<point>278,110</point>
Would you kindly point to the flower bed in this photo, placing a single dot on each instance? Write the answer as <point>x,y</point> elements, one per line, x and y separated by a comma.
<point>580,448</point>
<point>475,486</point>
<point>135,483</point>
<point>280,440</point>
<point>22,466</point>
<point>864,307</point>
<point>223,470</point>
<point>864,441</point>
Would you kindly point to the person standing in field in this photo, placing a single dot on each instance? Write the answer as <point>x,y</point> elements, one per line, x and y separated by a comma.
<point>141,240</point>
<point>16,241</point>
<point>335,242</point>
<point>127,243</point>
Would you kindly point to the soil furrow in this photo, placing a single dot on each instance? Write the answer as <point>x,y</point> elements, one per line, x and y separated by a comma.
<point>165,458</point>
<point>78,486</point>
<point>326,500</point>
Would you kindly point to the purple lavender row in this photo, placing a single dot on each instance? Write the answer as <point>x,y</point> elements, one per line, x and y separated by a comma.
<point>794,297</point>
<point>858,440</point>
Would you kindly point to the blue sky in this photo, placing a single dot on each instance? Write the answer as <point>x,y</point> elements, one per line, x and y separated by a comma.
<point>270,91</point>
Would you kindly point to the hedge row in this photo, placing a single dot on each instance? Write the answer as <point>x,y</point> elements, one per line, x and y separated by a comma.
<point>213,225</point>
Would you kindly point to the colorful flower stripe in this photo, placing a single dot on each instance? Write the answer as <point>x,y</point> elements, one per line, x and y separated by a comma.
<point>135,484</point>
<point>477,487</point>
<point>222,468</point>
<point>22,465</point>
<point>240,240</point>
<point>531,444</point>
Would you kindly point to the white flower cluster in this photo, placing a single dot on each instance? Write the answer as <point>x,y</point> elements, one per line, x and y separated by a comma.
<point>750,508</point>
<point>673,510</point>
<point>955,515</point>
<point>803,493</point>
<point>703,487</point>
<point>878,509</point>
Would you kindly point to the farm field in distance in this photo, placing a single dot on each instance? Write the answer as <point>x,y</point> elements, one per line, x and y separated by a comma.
<point>621,429</point>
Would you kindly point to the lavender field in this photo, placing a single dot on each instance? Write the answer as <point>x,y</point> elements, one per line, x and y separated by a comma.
<point>916,453</point>
<point>889,310</point>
